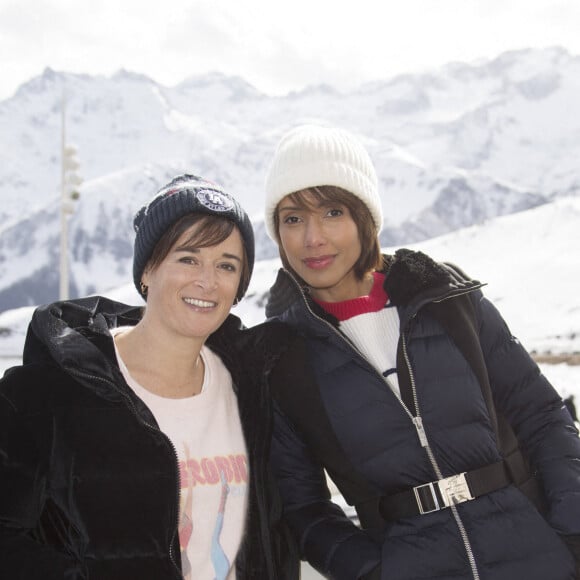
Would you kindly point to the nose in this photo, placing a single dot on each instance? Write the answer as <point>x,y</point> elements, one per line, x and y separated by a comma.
<point>314,233</point>
<point>206,278</point>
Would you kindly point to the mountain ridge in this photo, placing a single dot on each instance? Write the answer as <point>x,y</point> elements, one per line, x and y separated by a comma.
<point>453,147</point>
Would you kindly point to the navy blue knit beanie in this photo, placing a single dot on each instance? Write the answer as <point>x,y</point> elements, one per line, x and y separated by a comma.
<point>184,195</point>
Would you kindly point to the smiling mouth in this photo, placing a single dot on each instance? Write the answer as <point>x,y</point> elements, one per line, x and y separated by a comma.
<point>319,262</point>
<point>200,303</point>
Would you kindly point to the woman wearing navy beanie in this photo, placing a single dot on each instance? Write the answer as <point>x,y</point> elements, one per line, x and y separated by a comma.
<point>131,444</point>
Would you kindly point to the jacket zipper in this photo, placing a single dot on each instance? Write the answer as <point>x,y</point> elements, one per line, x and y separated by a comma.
<point>416,420</point>
<point>157,430</point>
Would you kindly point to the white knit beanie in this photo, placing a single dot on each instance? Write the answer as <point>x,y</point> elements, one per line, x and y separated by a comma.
<point>311,156</point>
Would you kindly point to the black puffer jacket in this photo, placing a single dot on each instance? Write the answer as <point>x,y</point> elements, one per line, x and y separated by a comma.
<point>88,483</point>
<point>337,413</point>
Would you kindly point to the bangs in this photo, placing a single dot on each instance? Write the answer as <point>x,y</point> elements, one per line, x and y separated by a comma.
<point>210,231</point>
<point>314,197</point>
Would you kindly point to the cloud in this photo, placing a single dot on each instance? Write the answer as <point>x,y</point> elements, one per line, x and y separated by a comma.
<point>275,45</point>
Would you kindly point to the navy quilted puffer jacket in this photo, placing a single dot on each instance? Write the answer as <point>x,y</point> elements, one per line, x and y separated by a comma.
<point>335,413</point>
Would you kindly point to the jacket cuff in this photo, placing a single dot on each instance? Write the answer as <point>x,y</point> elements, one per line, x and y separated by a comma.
<point>573,543</point>
<point>355,557</point>
<point>374,574</point>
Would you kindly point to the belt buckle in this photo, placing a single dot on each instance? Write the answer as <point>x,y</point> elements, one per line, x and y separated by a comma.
<point>454,490</point>
<point>433,495</point>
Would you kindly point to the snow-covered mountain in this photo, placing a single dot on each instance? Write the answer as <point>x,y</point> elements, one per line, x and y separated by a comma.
<point>453,147</point>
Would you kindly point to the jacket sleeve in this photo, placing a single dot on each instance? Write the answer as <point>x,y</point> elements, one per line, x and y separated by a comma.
<point>537,414</point>
<point>23,483</point>
<point>327,539</point>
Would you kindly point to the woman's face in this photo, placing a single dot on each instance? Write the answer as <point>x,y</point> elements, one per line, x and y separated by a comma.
<point>322,246</point>
<point>193,289</point>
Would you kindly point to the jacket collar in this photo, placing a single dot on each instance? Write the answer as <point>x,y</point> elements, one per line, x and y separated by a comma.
<point>412,280</point>
<point>75,335</point>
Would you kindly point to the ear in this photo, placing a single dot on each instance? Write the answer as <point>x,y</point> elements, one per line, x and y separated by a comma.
<point>145,277</point>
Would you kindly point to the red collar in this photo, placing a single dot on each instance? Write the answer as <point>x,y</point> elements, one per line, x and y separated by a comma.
<point>374,302</point>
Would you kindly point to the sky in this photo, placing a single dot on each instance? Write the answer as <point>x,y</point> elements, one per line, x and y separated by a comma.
<point>277,46</point>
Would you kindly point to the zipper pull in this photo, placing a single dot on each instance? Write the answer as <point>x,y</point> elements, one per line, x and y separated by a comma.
<point>418,422</point>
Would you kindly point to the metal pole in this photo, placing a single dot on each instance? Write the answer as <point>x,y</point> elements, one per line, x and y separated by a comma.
<point>64,285</point>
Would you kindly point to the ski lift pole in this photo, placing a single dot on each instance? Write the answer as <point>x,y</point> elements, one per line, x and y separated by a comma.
<point>69,182</point>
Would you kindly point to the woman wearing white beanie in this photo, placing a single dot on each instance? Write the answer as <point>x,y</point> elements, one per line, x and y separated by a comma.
<point>399,381</point>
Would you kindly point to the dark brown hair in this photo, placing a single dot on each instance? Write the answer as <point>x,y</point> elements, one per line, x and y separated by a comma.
<point>370,258</point>
<point>211,230</point>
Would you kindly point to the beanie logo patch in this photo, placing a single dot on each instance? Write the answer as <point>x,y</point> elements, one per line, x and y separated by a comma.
<point>214,200</point>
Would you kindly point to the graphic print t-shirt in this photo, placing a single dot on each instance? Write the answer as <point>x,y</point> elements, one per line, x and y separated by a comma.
<point>207,435</point>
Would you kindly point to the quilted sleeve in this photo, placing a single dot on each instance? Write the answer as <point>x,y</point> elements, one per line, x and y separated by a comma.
<point>328,540</point>
<point>538,416</point>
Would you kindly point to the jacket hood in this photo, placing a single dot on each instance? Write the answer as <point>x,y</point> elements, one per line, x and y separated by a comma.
<point>74,335</point>
<point>412,279</point>
<point>65,332</point>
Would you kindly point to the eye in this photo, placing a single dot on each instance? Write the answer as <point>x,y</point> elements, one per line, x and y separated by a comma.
<point>335,212</point>
<point>229,267</point>
<point>188,260</point>
<point>291,219</point>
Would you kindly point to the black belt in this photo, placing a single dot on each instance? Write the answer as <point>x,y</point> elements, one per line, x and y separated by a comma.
<point>444,493</point>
